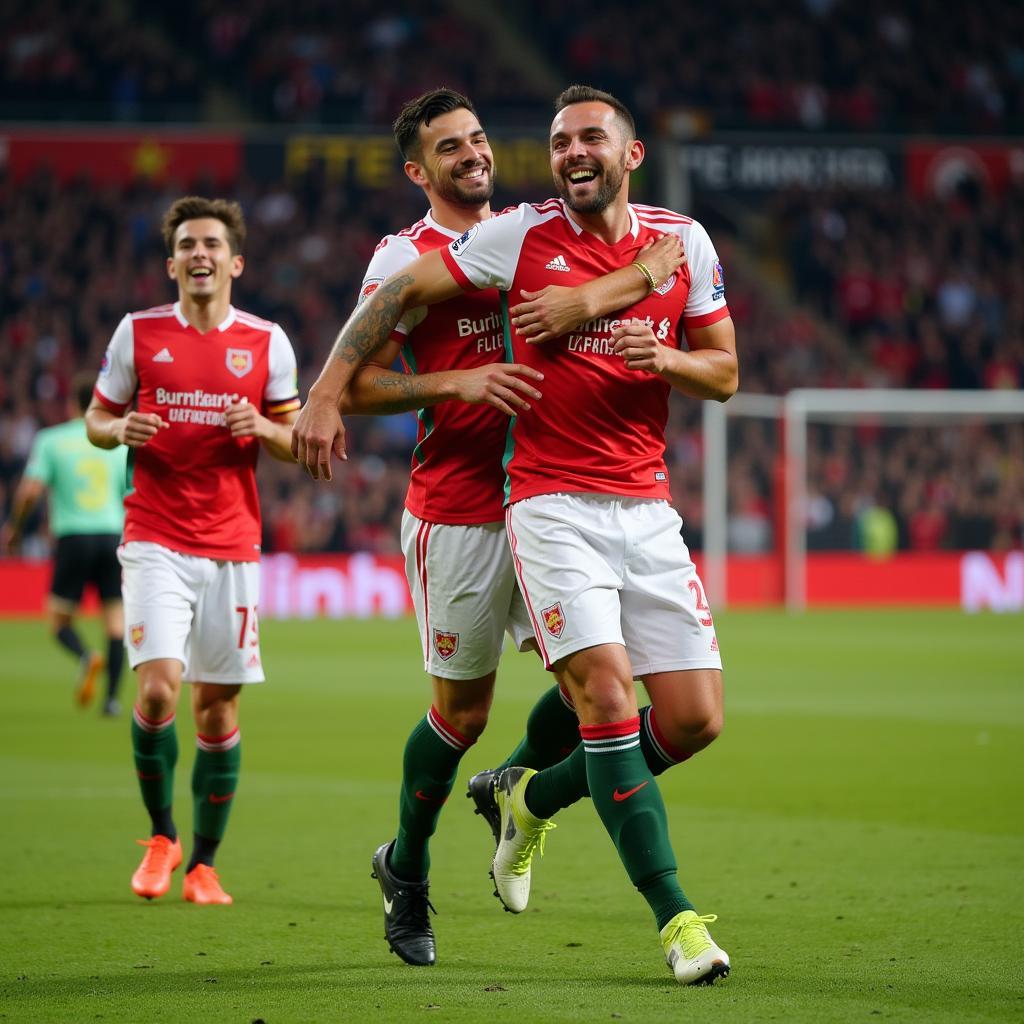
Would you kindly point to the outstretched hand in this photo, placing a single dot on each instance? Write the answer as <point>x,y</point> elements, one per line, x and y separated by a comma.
<point>316,434</point>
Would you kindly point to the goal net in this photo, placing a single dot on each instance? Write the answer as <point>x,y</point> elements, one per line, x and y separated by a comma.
<point>874,473</point>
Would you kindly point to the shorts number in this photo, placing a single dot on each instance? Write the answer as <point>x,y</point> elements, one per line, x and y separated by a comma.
<point>702,605</point>
<point>250,624</point>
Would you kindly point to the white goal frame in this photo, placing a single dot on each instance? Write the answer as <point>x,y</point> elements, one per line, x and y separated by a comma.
<point>796,410</point>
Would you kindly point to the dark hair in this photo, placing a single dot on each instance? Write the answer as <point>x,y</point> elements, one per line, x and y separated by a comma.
<point>229,213</point>
<point>421,111</point>
<point>81,389</point>
<point>588,94</point>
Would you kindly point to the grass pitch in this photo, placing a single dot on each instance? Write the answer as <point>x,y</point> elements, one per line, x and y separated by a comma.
<point>858,828</point>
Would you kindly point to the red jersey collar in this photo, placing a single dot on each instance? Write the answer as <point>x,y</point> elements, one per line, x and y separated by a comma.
<point>222,326</point>
<point>634,224</point>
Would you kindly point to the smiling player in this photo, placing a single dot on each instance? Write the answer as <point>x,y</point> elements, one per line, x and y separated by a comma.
<point>214,384</point>
<point>457,556</point>
<point>609,582</point>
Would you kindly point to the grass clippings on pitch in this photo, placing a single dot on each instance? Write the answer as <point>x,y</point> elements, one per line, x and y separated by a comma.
<point>857,828</point>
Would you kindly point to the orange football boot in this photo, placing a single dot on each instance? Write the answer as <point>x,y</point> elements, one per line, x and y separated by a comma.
<point>86,688</point>
<point>203,886</point>
<point>153,877</point>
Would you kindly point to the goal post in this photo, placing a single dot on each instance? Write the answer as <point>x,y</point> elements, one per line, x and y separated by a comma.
<point>795,411</point>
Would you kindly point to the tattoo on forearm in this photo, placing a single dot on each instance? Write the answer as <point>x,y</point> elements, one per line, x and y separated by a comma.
<point>371,323</point>
<point>402,384</point>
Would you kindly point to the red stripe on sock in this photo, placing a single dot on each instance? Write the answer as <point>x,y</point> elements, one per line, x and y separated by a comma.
<point>156,722</point>
<point>611,730</point>
<point>673,752</point>
<point>452,733</point>
<point>217,739</point>
<point>566,696</point>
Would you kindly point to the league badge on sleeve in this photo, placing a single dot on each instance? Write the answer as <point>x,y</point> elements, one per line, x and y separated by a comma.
<point>446,644</point>
<point>239,361</point>
<point>718,280</point>
<point>460,245</point>
<point>370,285</point>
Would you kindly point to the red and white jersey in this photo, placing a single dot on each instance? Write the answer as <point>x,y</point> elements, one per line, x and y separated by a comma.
<point>600,428</point>
<point>456,475</point>
<point>194,485</point>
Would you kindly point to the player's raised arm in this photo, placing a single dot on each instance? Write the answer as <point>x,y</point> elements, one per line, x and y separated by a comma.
<point>555,310</point>
<point>319,430</point>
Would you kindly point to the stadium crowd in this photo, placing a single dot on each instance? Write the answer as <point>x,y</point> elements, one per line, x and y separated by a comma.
<point>888,291</point>
<point>799,64</point>
<point>73,259</point>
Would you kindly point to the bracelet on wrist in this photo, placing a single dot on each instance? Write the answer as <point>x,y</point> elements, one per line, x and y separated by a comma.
<point>649,277</point>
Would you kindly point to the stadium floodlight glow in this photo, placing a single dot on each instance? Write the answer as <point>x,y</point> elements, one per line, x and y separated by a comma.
<point>796,410</point>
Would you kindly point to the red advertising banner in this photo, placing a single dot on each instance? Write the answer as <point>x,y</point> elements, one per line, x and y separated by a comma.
<point>365,585</point>
<point>937,168</point>
<point>119,158</point>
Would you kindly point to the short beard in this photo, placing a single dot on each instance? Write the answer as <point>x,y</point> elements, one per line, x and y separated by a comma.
<point>611,185</point>
<point>451,192</point>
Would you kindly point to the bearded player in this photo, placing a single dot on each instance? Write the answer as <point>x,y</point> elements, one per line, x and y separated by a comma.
<point>609,583</point>
<point>213,386</point>
<point>457,557</point>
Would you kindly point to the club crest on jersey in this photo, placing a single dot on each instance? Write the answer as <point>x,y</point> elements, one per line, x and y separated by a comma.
<point>462,244</point>
<point>369,287</point>
<point>239,361</point>
<point>666,286</point>
<point>446,644</point>
<point>136,634</point>
<point>554,619</point>
<point>718,280</point>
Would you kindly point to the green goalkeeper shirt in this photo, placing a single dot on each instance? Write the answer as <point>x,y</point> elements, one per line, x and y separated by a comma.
<point>86,484</point>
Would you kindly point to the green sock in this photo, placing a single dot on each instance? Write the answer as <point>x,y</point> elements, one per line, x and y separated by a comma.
<point>563,784</point>
<point>552,732</point>
<point>155,746</point>
<point>629,802</point>
<point>432,755</point>
<point>214,780</point>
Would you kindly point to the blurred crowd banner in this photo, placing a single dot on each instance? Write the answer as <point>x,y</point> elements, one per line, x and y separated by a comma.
<point>753,164</point>
<point>365,585</point>
<point>732,162</point>
<point>186,158</point>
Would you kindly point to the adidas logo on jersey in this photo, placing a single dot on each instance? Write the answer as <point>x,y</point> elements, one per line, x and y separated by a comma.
<point>558,263</point>
<point>163,356</point>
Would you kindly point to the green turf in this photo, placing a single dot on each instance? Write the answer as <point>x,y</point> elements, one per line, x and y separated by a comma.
<point>858,828</point>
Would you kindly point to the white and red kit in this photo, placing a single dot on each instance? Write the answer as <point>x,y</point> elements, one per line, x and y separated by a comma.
<point>194,485</point>
<point>600,428</point>
<point>457,557</point>
<point>456,472</point>
<point>597,546</point>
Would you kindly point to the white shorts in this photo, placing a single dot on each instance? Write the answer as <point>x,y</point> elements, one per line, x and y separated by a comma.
<point>465,595</point>
<point>598,569</point>
<point>199,611</point>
